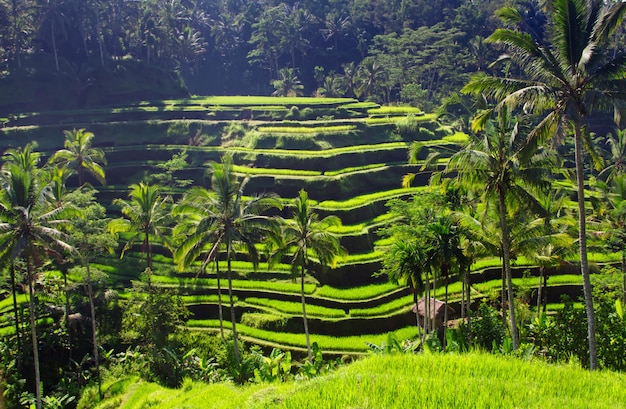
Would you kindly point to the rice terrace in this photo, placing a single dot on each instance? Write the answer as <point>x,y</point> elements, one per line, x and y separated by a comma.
<point>441,223</point>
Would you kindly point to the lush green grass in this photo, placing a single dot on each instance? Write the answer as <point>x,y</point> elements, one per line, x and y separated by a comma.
<point>355,169</point>
<point>394,110</point>
<point>314,130</point>
<point>356,344</point>
<point>363,200</point>
<point>277,286</point>
<point>321,153</point>
<point>395,306</point>
<point>277,172</point>
<point>295,308</point>
<point>356,293</point>
<point>475,380</point>
<point>394,119</point>
<point>245,100</point>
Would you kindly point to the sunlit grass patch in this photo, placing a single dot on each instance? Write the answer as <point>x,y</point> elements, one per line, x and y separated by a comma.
<point>362,200</point>
<point>274,172</point>
<point>356,293</point>
<point>295,308</point>
<point>306,129</point>
<point>401,304</point>
<point>394,110</point>
<point>326,342</point>
<point>394,119</point>
<point>276,286</point>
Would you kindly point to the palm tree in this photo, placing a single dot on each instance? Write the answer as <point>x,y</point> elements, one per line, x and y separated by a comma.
<point>288,85</point>
<point>567,75</point>
<point>79,155</point>
<point>199,236</point>
<point>305,236</point>
<point>445,253</point>
<point>28,229</point>
<point>499,165</point>
<point>147,215</point>
<point>406,264</point>
<point>237,221</point>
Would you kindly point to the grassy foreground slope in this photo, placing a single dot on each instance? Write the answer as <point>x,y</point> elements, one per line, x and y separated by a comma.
<point>474,380</point>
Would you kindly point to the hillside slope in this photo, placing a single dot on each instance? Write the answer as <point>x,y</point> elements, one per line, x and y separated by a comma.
<point>475,380</point>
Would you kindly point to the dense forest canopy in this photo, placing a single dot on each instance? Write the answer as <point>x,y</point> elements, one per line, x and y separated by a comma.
<point>411,51</point>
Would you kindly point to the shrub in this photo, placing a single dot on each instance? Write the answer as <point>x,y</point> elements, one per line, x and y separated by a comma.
<point>487,330</point>
<point>407,127</point>
<point>269,322</point>
<point>294,113</point>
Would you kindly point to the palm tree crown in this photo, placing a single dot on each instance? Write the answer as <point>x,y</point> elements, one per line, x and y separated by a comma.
<point>78,154</point>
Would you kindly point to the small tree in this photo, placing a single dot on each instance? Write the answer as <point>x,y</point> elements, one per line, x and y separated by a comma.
<point>305,236</point>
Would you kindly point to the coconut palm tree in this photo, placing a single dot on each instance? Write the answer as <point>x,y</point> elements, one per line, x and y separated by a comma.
<point>28,229</point>
<point>147,215</point>
<point>79,155</point>
<point>498,165</point>
<point>406,264</point>
<point>565,76</point>
<point>445,253</point>
<point>237,221</point>
<point>198,236</point>
<point>304,237</point>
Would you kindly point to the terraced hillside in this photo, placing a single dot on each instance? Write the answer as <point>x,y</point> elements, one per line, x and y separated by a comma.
<point>349,156</point>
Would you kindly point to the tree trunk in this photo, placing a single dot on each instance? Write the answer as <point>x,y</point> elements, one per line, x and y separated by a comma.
<point>94,333</point>
<point>67,312</point>
<point>417,316</point>
<point>539,288</point>
<point>426,309</point>
<point>33,332</point>
<point>624,276</point>
<point>463,297</point>
<point>468,298</point>
<point>54,46</point>
<point>18,360</point>
<point>304,318</point>
<point>232,304</point>
<point>445,317</point>
<point>219,298</point>
<point>148,248</point>
<point>506,261</point>
<point>582,241</point>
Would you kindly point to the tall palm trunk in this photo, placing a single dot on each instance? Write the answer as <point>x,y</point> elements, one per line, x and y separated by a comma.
<point>304,318</point>
<point>54,46</point>
<point>148,249</point>
<point>506,261</point>
<point>468,298</point>
<point>582,240</point>
<point>17,320</point>
<point>219,299</point>
<point>417,316</point>
<point>540,289</point>
<point>233,318</point>
<point>67,312</point>
<point>445,313</point>
<point>624,276</point>
<point>33,331</point>
<point>94,333</point>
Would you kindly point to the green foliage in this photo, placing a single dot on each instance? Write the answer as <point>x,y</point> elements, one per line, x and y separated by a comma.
<point>487,330</point>
<point>150,318</point>
<point>272,368</point>
<point>269,322</point>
